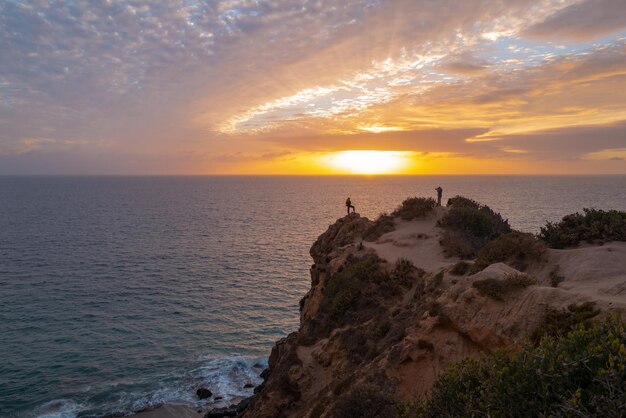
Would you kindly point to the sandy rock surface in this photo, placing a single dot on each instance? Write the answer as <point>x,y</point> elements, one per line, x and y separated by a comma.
<point>404,338</point>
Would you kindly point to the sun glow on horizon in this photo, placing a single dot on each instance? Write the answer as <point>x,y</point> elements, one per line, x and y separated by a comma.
<point>369,161</point>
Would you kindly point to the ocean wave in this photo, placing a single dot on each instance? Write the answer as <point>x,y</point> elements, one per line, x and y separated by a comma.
<point>226,377</point>
<point>59,408</point>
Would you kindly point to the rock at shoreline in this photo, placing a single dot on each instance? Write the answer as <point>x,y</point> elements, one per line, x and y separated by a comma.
<point>204,393</point>
<point>259,388</point>
<point>229,411</point>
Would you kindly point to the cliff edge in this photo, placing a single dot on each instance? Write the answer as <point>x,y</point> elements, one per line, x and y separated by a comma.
<point>395,302</point>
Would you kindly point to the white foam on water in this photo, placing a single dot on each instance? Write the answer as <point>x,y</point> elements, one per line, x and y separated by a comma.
<point>225,377</point>
<point>59,408</point>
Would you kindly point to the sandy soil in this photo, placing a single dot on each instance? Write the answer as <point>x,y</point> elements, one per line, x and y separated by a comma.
<point>417,241</point>
<point>593,272</point>
<point>596,272</point>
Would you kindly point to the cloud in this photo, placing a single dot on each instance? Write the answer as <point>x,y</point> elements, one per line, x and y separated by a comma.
<point>247,157</point>
<point>582,21</point>
<point>570,143</point>
<point>27,145</point>
<point>200,85</point>
<point>424,140</point>
<point>464,68</point>
<point>357,72</point>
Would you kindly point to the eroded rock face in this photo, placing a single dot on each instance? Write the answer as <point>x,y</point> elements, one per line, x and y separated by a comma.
<point>343,232</point>
<point>329,253</point>
<point>368,322</point>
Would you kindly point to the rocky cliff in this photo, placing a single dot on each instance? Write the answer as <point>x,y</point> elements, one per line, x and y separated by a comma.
<point>394,312</point>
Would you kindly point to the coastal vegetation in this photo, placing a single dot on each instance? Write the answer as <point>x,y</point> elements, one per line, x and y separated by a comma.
<point>383,224</point>
<point>354,293</point>
<point>575,373</point>
<point>411,208</point>
<point>469,226</point>
<point>415,208</point>
<point>517,249</point>
<point>558,322</point>
<point>497,288</point>
<point>580,373</point>
<point>460,268</point>
<point>375,324</point>
<point>591,226</point>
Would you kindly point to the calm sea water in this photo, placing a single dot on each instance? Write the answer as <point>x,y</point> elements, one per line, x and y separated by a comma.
<point>118,293</point>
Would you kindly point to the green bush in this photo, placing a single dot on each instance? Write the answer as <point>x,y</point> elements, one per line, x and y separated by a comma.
<point>367,401</point>
<point>556,277</point>
<point>404,272</point>
<point>558,322</point>
<point>581,374</point>
<point>460,268</point>
<point>457,244</point>
<point>496,289</point>
<point>593,225</point>
<point>356,290</point>
<point>415,207</point>
<point>469,227</point>
<point>459,201</point>
<point>517,249</point>
<point>344,289</point>
<point>381,226</point>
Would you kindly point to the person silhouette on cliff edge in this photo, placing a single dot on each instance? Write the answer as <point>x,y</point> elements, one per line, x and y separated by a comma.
<point>349,205</point>
<point>439,194</point>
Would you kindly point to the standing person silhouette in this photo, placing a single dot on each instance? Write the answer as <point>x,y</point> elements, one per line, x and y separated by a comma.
<point>439,194</point>
<point>349,205</point>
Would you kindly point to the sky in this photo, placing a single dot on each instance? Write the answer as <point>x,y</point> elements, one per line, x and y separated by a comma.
<point>313,87</point>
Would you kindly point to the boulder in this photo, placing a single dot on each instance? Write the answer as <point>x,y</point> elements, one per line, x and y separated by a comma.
<point>229,411</point>
<point>204,393</point>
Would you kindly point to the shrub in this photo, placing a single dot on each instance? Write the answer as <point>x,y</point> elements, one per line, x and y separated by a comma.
<point>460,268</point>
<point>381,226</point>
<point>579,374</point>
<point>415,207</point>
<point>357,344</point>
<point>459,201</point>
<point>456,244</point>
<point>469,227</point>
<point>516,249</point>
<point>592,225</point>
<point>367,400</point>
<point>558,322</point>
<point>404,272</point>
<point>556,277</point>
<point>497,288</point>
<point>355,292</point>
<point>344,289</point>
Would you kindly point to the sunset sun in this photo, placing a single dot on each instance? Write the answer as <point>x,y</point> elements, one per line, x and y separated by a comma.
<point>369,162</point>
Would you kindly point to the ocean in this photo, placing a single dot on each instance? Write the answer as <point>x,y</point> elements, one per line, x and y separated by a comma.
<point>121,293</point>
